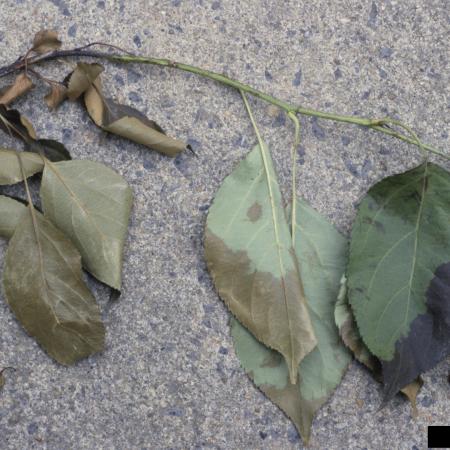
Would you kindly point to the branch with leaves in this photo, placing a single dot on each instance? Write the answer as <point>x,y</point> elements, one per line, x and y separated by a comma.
<point>304,298</point>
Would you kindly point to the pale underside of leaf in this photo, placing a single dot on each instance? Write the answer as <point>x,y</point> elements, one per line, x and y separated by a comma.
<point>11,212</point>
<point>10,172</point>
<point>44,287</point>
<point>249,254</point>
<point>91,204</point>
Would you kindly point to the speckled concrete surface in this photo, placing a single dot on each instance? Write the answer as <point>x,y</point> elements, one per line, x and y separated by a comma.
<point>169,377</point>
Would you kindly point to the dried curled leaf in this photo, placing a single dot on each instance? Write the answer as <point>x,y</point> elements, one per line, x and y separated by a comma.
<point>129,123</point>
<point>82,78</point>
<point>10,171</point>
<point>91,204</point>
<point>52,150</point>
<point>22,84</point>
<point>251,259</point>
<point>11,212</point>
<point>46,41</point>
<point>44,287</point>
<point>56,95</point>
<point>15,124</point>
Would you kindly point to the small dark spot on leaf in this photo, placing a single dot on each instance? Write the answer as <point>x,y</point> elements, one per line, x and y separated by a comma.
<point>254,212</point>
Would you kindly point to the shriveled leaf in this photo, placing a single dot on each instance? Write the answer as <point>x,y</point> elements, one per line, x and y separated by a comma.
<point>13,123</point>
<point>56,95</point>
<point>249,254</point>
<point>349,333</point>
<point>399,273</point>
<point>51,149</point>
<point>10,172</point>
<point>46,41</point>
<point>91,204</point>
<point>129,123</point>
<point>321,251</point>
<point>44,287</point>
<point>11,212</point>
<point>82,78</point>
<point>22,84</point>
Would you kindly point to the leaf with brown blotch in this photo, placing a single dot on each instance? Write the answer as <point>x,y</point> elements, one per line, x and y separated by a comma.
<point>10,172</point>
<point>22,84</point>
<point>251,259</point>
<point>82,78</point>
<point>322,252</point>
<point>11,212</point>
<point>56,95</point>
<point>129,123</point>
<point>44,287</point>
<point>46,41</point>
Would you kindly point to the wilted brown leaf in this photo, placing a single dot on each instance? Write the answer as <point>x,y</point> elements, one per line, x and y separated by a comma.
<point>46,41</point>
<point>21,85</point>
<point>82,78</point>
<point>56,95</point>
<point>125,121</point>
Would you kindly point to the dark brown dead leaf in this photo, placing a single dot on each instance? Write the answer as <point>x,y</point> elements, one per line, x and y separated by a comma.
<point>46,41</point>
<point>22,84</point>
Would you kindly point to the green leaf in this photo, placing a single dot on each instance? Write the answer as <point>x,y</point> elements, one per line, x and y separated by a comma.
<point>399,273</point>
<point>44,287</point>
<point>91,204</point>
<point>249,254</point>
<point>128,122</point>
<point>10,172</point>
<point>11,212</point>
<point>321,251</point>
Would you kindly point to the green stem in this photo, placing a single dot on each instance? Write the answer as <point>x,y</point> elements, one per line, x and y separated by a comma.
<point>295,145</point>
<point>375,124</point>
